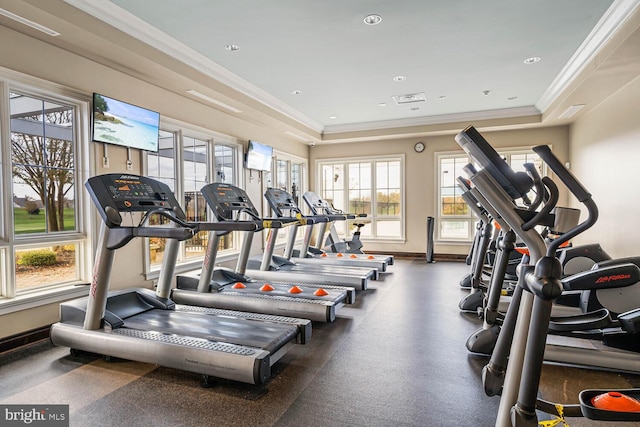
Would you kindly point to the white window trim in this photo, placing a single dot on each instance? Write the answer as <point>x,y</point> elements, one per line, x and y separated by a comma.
<point>183,129</point>
<point>15,81</point>
<point>389,157</point>
<point>450,154</point>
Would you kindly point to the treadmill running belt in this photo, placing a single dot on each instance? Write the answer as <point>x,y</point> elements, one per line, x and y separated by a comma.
<point>246,332</point>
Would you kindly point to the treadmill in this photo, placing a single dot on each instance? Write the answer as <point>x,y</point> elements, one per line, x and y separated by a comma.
<point>229,202</point>
<point>319,206</point>
<point>138,324</point>
<point>283,205</point>
<point>224,288</point>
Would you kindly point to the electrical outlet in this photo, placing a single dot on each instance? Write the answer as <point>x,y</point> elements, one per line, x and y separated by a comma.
<point>105,162</point>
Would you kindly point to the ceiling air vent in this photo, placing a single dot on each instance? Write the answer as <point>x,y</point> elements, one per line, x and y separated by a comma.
<point>410,98</point>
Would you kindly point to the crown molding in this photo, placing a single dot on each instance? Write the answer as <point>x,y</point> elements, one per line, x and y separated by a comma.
<point>128,23</point>
<point>617,14</point>
<point>434,120</point>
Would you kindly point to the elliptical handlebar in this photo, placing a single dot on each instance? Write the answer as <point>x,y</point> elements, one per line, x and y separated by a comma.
<point>550,203</point>
<point>567,178</point>
<point>576,188</point>
<point>537,183</point>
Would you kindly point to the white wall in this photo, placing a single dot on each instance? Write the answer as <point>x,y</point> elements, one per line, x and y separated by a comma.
<point>605,157</point>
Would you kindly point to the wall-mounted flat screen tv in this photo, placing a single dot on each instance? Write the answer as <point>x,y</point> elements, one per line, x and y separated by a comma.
<point>119,123</point>
<point>258,156</point>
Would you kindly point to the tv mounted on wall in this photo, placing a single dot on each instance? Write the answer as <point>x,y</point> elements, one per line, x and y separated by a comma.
<point>258,156</point>
<point>120,123</point>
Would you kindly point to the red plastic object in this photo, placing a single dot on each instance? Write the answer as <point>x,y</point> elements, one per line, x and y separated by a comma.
<point>321,293</point>
<point>324,254</point>
<point>616,401</point>
<point>266,287</point>
<point>353,256</point>
<point>339,255</point>
<point>239,285</point>
<point>295,290</point>
<point>371,257</point>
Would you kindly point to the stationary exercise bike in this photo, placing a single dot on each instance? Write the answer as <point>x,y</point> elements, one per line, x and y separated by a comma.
<point>333,242</point>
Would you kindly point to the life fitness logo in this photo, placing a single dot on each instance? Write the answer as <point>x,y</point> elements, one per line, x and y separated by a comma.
<point>613,278</point>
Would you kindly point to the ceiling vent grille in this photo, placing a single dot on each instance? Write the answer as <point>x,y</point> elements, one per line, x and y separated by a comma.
<point>410,98</point>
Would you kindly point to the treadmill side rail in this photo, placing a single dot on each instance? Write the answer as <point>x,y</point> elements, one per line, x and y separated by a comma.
<point>222,360</point>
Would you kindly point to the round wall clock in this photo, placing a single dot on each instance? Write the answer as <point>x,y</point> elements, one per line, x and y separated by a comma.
<point>419,147</point>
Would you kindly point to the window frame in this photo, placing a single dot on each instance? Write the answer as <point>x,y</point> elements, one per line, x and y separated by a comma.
<point>182,130</point>
<point>271,180</point>
<point>344,227</point>
<point>10,299</point>
<point>507,153</point>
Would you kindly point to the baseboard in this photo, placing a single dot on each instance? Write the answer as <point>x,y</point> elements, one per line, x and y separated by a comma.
<point>23,339</point>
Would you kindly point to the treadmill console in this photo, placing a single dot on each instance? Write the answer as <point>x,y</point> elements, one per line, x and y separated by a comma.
<point>316,204</point>
<point>114,194</point>
<point>228,201</point>
<point>281,202</point>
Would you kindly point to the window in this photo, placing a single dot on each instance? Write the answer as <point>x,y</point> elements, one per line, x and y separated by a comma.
<point>373,187</point>
<point>182,162</point>
<point>45,246</point>
<point>289,176</point>
<point>195,158</point>
<point>455,220</point>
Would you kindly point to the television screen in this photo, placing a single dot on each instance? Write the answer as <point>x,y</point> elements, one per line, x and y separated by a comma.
<point>116,122</point>
<point>259,156</point>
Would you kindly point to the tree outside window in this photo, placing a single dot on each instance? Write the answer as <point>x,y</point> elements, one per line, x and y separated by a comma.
<point>43,190</point>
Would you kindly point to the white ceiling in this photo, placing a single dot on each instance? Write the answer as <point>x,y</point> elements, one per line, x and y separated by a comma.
<point>466,56</point>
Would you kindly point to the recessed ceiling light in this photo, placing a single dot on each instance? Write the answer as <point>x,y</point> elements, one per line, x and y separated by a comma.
<point>532,60</point>
<point>296,92</point>
<point>399,78</point>
<point>333,117</point>
<point>442,97</point>
<point>232,47</point>
<point>372,19</point>
<point>382,104</point>
<point>486,92</point>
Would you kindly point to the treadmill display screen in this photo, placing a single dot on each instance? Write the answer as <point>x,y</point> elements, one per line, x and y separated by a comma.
<point>128,193</point>
<point>129,189</point>
<point>227,200</point>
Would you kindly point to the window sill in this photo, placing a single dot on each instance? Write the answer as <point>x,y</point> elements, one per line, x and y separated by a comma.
<point>388,240</point>
<point>44,297</point>
<point>453,242</point>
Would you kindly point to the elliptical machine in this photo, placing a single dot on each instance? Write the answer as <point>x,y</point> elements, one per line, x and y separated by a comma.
<point>523,338</point>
